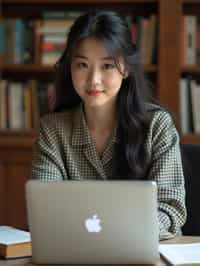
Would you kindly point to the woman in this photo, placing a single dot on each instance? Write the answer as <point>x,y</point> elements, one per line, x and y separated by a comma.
<point>107,127</point>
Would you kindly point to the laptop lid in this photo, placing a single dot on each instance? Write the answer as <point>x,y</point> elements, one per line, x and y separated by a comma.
<point>93,221</point>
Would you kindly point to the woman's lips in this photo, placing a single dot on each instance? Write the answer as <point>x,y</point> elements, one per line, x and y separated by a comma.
<point>94,92</point>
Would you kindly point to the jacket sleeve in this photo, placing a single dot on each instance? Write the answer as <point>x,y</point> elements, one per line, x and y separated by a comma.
<point>47,163</point>
<point>166,169</point>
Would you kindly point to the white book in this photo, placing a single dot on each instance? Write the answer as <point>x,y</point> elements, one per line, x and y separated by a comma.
<point>190,41</point>
<point>195,95</point>
<point>3,104</point>
<point>184,106</point>
<point>181,254</point>
<point>55,38</point>
<point>16,105</point>
<point>54,31</point>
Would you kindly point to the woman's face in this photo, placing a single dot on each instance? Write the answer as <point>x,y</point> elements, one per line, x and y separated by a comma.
<point>95,76</point>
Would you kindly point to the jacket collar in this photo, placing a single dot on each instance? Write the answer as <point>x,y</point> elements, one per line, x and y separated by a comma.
<point>80,132</point>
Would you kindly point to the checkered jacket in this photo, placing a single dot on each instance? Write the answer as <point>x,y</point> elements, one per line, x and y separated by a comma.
<point>65,150</point>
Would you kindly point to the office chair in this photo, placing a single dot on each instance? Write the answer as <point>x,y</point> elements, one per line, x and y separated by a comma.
<point>191,165</point>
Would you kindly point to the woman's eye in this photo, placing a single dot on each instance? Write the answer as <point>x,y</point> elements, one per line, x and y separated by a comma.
<point>108,66</point>
<point>82,65</point>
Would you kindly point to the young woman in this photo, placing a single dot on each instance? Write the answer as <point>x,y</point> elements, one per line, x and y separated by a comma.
<point>107,127</point>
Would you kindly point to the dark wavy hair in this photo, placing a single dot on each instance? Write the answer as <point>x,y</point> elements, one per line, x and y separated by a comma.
<point>130,160</point>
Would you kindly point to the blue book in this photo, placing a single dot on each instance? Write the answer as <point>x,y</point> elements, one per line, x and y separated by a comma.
<point>3,39</point>
<point>19,40</point>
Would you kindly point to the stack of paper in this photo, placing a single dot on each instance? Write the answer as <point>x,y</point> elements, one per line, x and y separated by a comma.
<point>181,254</point>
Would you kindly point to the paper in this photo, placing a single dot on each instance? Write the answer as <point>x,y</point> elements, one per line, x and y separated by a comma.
<point>181,253</point>
<point>11,235</point>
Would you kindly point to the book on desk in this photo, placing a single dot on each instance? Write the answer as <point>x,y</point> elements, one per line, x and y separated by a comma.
<point>14,243</point>
<point>181,254</point>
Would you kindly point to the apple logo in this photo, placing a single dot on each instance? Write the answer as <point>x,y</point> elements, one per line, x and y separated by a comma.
<point>93,224</point>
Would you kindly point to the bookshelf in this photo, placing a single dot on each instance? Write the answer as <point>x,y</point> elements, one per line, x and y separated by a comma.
<point>190,70</point>
<point>16,147</point>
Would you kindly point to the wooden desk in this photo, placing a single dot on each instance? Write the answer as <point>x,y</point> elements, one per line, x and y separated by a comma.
<point>176,240</point>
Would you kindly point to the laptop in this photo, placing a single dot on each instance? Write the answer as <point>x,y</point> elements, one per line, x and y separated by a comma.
<point>93,222</point>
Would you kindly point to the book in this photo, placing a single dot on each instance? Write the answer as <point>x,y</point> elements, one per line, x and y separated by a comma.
<point>184,106</point>
<point>3,104</point>
<point>195,94</point>
<point>181,254</point>
<point>16,105</point>
<point>14,242</point>
<point>190,42</point>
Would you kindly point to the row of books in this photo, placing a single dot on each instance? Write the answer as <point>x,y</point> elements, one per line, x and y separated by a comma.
<point>53,30</point>
<point>17,41</point>
<point>189,105</point>
<point>190,40</point>
<point>22,103</point>
<point>144,35</point>
<point>43,41</point>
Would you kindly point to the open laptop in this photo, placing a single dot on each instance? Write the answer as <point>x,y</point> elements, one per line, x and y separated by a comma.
<point>93,222</point>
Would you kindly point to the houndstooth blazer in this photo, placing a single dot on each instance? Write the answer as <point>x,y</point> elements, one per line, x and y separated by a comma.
<point>65,150</point>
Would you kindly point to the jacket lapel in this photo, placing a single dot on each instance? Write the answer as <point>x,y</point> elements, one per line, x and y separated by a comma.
<point>81,137</point>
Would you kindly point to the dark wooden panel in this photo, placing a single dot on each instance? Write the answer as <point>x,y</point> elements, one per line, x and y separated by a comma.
<point>15,163</point>
<point>169,53</point>
<point>17,175</point>
<point>2,194</point>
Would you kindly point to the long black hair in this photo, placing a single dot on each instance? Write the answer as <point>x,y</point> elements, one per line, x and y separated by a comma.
<point>130,160</point>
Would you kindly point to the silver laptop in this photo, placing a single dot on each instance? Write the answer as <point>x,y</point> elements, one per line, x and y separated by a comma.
<point>93,222</point>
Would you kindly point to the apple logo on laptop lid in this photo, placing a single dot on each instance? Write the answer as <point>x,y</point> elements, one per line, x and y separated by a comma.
<point>92,224</point>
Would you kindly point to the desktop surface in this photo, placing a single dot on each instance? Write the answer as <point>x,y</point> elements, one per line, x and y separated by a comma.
<point>161,262</point>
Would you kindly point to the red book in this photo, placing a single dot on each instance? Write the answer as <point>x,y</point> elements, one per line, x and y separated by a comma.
<point>198,44</point>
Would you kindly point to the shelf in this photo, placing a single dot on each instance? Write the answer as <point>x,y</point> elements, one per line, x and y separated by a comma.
<point>191,1</point>
<point>35,69</point>
<point>191,138</point>
<point>15,139</point>
<point>49,2</point>
<point>191,69</point>
<point>27,69</point>
<point>34,8</point>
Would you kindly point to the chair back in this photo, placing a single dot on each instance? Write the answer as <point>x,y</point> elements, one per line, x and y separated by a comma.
<point>191,165</point>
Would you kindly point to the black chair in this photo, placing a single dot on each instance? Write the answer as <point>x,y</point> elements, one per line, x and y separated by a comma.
<point>191,164</point>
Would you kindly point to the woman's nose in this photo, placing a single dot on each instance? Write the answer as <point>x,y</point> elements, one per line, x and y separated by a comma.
<point>95,76</point>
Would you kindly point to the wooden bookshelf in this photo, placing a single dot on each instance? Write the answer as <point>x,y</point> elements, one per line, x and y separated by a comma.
<point>190,69</point>
<point>191,138</point>
<point>16,147</point>
<point>35,69</point>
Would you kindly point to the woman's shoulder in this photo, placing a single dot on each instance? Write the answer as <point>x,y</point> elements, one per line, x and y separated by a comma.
<point>58,118</point>
<point>158,114</point>
<point>58,124</point>
<point>161,122</point>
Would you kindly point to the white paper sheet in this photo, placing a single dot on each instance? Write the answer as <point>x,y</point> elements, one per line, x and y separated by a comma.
<point>181,253</point>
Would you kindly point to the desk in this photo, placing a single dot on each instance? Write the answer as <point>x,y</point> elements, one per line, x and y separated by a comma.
<point>176,240</point>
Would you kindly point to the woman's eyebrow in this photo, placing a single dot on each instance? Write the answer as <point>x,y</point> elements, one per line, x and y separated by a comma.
<point>85,57</point>
<point>80,56</point>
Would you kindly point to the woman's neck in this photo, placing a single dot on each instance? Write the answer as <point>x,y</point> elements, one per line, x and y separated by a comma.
<point>100,119</point>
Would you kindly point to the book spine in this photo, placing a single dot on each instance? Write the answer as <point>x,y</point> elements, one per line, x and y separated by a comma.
<point>19,38</point>
<point>190,57</point>
<point>3,103</point>
<point>3,40</point>
<point>16,105</point>
<point>184,106</point>
<point>198,43</point>
<point>9,40</point>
